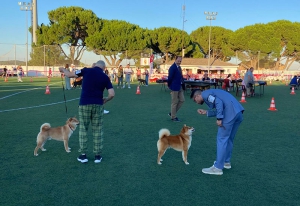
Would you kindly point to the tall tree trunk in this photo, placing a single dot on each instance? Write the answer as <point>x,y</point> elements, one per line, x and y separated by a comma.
<point>72,54</point>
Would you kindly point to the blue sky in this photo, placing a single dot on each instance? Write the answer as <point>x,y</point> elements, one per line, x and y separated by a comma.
<point>232,14</point>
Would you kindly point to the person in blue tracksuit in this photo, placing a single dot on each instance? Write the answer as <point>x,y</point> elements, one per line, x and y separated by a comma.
<point>229,114</point>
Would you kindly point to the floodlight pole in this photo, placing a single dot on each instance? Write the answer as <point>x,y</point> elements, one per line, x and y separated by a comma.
<point>26,7</point>
<point>210,16</point>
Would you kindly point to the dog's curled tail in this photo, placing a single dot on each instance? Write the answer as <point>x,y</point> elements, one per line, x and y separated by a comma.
<point>163,132</point>
<point>45,127</point>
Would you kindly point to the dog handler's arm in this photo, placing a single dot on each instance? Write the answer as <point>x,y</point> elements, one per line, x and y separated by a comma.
<point>111,94</point>
<point>68,73</point>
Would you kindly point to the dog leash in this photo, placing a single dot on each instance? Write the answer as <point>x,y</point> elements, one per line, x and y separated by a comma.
<point>62,83</point>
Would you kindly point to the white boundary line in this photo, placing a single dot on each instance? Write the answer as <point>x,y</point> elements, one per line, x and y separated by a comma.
<point>43,105</point>
<point>31,107</point>
<point>22,92</point>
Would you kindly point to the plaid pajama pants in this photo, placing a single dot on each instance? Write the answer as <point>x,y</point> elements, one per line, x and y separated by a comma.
<point>93,114</point>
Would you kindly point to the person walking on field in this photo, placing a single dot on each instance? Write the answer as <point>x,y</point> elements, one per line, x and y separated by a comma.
<point>128,71</point>
<point>67,79</point>
<point>229,114</point>
<point>176,85</point>
<point>20,73</point>
<point>90,108</point>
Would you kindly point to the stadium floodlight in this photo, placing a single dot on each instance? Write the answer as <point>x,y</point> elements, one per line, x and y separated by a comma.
<point>210,16</point>
<point>24,6</point>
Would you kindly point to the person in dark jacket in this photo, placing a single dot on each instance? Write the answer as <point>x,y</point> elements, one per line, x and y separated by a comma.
<point>176,85</point>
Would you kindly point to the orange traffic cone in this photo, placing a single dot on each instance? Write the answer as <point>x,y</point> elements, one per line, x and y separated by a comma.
<point>272,105</point>
<point>138,90</point>
<point>293,91</point>
<point>47,90</point>
<point>48,79</point>
<point>243,100</point>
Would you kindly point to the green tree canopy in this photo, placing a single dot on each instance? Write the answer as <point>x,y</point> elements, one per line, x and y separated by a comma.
<point>69,26</point>
<point>256,42</point>
<point>118,40</point>
<point>289,35</point>
<point>170,41</point>
<point>220,45</point>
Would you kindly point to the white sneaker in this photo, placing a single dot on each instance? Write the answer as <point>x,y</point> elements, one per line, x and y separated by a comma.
<point>128,87</point>
<point>212,171</point>
<point>105,112</point>
<point>227,165</point>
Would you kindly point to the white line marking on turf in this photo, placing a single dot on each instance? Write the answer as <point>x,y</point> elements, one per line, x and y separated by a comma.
<point>43,105</point>
<point>27,90</point>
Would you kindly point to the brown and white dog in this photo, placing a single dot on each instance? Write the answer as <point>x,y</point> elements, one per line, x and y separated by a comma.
<point>62,133</point>
<point>180,142</point>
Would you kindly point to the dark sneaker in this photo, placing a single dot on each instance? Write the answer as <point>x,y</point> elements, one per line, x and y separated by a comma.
<point>82,158</point>
<point>98,158</point>
<point>175,119</point>
<point>169,114</point>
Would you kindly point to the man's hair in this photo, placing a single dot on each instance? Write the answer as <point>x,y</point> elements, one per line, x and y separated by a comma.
<point>195,92</point>
<point>100,64</point>
<point>176,57</point>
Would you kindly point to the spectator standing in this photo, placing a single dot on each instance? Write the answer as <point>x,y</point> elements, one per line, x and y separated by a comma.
<point>67,79</point>
<point>90,108</point>
<point>227,84</point>
<point>128,72</point>
<point>106,71</point>
<point>294,82</point>
<point>138,73</point>
<point>176,84</point>
<point>249,81</point>
<point>132,75</point>
<point>50,72</point>
<point>4,72</point>
<point>73,68</point>
<point>20,73</point>
<point>115,74</point>
<point>229,114</point>
<point>120,76</point>
<point>146,77</point>
<point>112,75</point>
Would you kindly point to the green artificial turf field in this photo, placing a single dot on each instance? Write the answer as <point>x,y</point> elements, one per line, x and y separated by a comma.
<point>265,161</point>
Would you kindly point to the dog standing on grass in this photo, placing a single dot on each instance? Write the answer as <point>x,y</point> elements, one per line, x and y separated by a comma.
<point>180,142</point>
<point>62,133</point>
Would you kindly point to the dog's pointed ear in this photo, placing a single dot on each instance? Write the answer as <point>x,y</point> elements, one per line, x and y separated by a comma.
<point>184,125</point>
